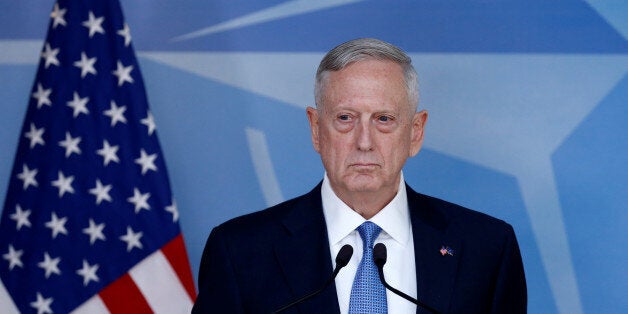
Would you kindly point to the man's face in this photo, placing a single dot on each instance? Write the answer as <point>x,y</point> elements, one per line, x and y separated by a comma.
<point>365,128</point>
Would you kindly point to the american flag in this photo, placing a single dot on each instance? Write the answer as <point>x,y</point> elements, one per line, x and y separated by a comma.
<point>89,224</point>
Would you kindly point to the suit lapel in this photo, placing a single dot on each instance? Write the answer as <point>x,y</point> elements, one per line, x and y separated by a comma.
<point>304,256</point>
<point>435,270</point>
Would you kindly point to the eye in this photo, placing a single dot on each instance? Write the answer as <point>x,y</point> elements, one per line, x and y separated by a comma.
<point>386,123</point>
<point>344,117</point>
<point>384,118</point>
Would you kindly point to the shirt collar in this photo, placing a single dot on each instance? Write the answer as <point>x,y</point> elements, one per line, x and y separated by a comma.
<point>341,220</point>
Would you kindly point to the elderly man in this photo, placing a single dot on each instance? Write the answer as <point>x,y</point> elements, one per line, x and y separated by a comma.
<point>442,257</point>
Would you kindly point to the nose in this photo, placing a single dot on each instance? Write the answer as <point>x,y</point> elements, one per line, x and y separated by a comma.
<point>364,136</point>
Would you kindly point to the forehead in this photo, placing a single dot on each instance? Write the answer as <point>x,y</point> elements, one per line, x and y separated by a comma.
<point>373,82</point>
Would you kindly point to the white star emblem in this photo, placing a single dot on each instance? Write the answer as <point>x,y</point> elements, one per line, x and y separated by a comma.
<point>14,257</point>
<point>50,265</point>
<point>88,272</point>
<point>108,153</point>
<point>35,135</point>
<point>70,144</point>
<point>57,16</point>
<point>42,95</point>
<point>173,210</point>
<point>42,304</point>
<point>57,225</point>
<point>94,231</point>
<point>28,177</point>
<point>21,217</point>
<point>126,33</point>
<point>149,121</point>
<point>132,239</point>
<point>146,161</point>
<point>86,65</point>
<point>94,24</point>
<point>116,113</point>
<point>123,73</point>
<point>139,200</point>
<point>78,104</point>
<point>50,56</point>
<point>101,192</point>
<point>64,184</point>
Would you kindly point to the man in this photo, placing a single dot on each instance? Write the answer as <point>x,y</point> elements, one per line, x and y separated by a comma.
<point>365,126</point>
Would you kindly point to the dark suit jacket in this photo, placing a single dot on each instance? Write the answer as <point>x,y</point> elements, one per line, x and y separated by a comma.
<point>259,262</point>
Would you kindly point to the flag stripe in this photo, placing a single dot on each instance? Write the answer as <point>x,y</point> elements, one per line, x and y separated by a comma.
<point>94,305</point>
<point>167,297</point>
<point>123,296</point>
<point>6,301</point>
<point>177,256</point>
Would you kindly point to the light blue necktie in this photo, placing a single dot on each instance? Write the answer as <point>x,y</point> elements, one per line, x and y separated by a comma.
<point>368,295</point>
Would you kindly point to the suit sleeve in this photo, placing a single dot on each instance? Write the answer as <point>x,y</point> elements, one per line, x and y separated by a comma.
<point>218,288</point>
<point>510,290</point>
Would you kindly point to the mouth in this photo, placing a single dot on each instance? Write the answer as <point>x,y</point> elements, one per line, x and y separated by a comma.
<point>364,167</point>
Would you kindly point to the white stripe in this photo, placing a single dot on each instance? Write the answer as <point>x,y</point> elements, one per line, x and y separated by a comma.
<point>283,10</point>
<point>264,166</point>
<point>6,302</point>
<point>160,285</point>
<point>94,305</point>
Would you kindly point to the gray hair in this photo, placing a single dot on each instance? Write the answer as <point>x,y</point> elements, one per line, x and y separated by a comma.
<point>364,49</point>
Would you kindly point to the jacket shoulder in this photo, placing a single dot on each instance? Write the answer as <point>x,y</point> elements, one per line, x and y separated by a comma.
<point>444,215</point>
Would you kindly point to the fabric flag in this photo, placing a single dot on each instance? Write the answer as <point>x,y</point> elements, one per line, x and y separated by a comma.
<point>89,224</point>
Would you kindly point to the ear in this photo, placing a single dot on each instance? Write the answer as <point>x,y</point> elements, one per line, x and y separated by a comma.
<point>418,127</point>
<point>312,117</point>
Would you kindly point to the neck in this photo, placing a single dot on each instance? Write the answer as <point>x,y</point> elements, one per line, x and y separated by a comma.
<point>367,204</point>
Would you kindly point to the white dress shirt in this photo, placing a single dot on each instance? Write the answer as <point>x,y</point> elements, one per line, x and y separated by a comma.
<point>394,219</point>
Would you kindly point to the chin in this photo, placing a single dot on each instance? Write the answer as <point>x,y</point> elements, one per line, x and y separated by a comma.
<point>363,185</point>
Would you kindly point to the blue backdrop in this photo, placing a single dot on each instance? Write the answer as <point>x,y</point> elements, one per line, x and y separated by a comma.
<point>528,105</point>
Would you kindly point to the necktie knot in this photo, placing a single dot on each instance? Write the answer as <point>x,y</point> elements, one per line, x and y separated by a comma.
<point>369,232</point>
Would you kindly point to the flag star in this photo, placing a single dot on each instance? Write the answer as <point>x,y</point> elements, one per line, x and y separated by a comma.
<point>42,304</point>
<point>88,272</point>
<point>21,217</point>
<point>116,113</point>
<point>64,184</point>
<point>94,231</point>
<point>123,73</point>
<point>70,144</point>
<point>149,121</point>
<point>86,64</point>
<point>42,95</point>
<point>78,104</point>
<point>50,56</point>
<point>108,152</point>
<point>101,192</point>
<point>35,135</point>
<point>126,33</point>
<point>146,161</point>
<point>132,239</point>
<point>14,257</point>
<point>139,200</point>
<point>57,225</point>
<point>94,24</point>
<point>50,265</point>
<point>28,176</point>
<point>57,16</point>
<point>173,210</point>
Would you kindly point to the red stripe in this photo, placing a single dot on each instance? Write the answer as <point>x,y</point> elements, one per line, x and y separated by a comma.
<point>178,257</point>
<point>123,296</point>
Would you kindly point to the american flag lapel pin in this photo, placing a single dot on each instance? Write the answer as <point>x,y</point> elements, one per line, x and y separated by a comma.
<point>445,250</point>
